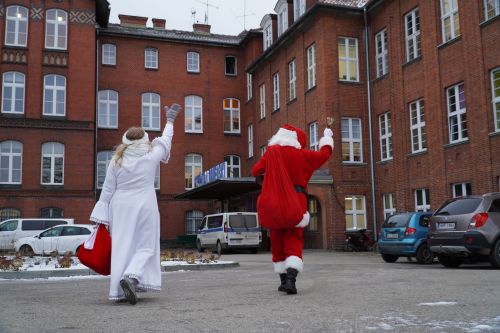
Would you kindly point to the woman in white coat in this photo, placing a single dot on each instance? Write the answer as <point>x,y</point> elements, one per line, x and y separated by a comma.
<point>129,207</point>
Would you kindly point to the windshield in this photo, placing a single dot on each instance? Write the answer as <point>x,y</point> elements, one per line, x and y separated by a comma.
<point>243,221</point>
<point>400,220</point>
<point>459,206</point>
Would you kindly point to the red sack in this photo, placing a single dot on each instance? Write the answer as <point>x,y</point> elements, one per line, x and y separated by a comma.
<point>99,257</point>
<point>278,205</point>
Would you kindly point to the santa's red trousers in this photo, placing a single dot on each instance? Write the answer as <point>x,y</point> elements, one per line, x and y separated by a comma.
<point>286,243</point>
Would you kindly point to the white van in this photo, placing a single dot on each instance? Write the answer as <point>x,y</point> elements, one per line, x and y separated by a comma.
<point>239,230</point>
<point>14,229</point>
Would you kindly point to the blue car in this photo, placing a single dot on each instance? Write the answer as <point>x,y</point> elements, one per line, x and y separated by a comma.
<point>405,235</point>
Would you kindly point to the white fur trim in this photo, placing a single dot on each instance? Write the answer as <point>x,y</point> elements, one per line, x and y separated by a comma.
<point>305,221</point>
<point>144,139</point>
<point>294,262</point>
<point>285,137</point>
<point>326,141</point>
<point>279,267</point>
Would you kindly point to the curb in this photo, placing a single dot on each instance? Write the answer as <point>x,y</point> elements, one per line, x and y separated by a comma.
<point>86,272</point>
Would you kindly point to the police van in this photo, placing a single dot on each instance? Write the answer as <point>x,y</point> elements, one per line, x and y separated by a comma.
<point>238,230</point>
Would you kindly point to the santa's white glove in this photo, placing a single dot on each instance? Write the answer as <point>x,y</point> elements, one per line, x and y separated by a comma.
<point>328,132</point>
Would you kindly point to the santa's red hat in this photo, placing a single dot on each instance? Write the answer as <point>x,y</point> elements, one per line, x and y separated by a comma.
<point>289,135</point>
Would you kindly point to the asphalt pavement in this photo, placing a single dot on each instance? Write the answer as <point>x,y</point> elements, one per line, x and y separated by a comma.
<point>338,292</point>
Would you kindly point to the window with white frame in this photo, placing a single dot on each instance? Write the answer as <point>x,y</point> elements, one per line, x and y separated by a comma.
<point>351,140</point>
<point>193,114</point>
<point>311,66</point>
<point>193,220</point>
<point>457,116</point>
<point>268,35</point>
<point>450,25</point>
<point>231,115</point>
<point>54,95</point>
<point>157,178</point>
<point>299,8</point>
<point>461,189</point>
<point>292,80</point>
<point>250,141</point>
<point>389,205</point>
<point>52,163</point>
<point>348,59</point>
<point>107,109</point>
<point>263,150</point>
<point>151,58</point>
<point>313,136</point>
<point>417,126</point>
<point>13,87</point>
<point>384,121</point>
<point>51,212</point>
<point>151,111</point>
<point>192,169</point>
<point>230,68</point>
<point>109,54</point>
<point>193,62</point>
<point>232,166</point>
<point>381,53</point>
<point>495,93</point>
<point>276,91</point>
<point>412,34</point>
<point>262,101</point>
<point>491,8</point>
<point>355,212</point>
<point>282,17</point>
<point>11,162</point>
<point>249,87</point>
<point>422,200</point>
<point>103,159</point>
<point>56,29</point>
<point>16,26</point>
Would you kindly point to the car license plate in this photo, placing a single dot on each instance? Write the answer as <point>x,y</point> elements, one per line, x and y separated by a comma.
<point>393,235</point>
<point>446,226</point>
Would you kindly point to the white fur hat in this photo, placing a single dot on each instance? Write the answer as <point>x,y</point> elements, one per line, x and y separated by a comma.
<point>144,139</point>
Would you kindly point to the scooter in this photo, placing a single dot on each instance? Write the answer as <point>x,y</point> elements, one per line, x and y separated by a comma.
<point>357,241</point>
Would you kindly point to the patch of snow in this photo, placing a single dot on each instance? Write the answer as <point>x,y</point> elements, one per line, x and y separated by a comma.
<point>197,262</point>
<point>385,327</point>
<point>437,304</point>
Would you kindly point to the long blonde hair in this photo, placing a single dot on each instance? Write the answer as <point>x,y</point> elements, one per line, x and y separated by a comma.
<point>133,133</point>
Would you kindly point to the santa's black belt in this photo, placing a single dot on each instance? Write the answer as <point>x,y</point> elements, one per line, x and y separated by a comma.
<point>299,189</point>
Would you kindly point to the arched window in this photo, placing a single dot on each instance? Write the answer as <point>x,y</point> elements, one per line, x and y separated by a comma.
<point>16,26</point>
<point>52,163</point>
<point>103,159</point>
<point>231,115</point>
<point>9,213</point>
<point>193,106</point>
<point>54,95</point>
<point>11,162</point>
<point>151,111</point>
<point>13,84</point>
<point>51,212</point>
<point>193,220</point>
<point>192,168</point>
<point>108,109</point>
<point>232,166</point>
<point>56,29</point>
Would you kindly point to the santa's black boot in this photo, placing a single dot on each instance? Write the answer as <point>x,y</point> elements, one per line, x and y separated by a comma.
<point>291,277</point>
<point>283,280</point>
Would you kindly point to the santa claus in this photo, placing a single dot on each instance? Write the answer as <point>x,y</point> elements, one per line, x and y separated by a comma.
<point>282,204</point>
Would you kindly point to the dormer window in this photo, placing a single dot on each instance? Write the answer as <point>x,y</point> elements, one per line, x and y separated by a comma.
<point>299,8</point>
<point>282,11</point>
<point>267,31</point>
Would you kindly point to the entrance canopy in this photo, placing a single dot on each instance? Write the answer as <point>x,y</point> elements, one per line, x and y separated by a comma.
<point>220,189</point>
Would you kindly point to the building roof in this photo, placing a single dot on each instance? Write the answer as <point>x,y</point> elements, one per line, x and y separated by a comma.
<point>174,35</point>
<point>346,3</point>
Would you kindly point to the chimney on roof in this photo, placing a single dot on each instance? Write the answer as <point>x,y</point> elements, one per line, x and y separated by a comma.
<point>202,28</point>
<point>133,21</point>
<point>159,24</point>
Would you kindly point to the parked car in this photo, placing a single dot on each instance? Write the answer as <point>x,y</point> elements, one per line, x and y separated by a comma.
<point>405,235</point>
<point>467,227</point>
<point>62,238</point>
<point>14,229</point>
<point>229,230</point>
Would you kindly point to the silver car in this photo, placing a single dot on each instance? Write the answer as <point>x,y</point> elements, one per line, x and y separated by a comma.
<point>467,227</point>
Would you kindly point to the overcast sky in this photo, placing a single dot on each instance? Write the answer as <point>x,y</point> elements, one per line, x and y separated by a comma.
<point>225,16</point>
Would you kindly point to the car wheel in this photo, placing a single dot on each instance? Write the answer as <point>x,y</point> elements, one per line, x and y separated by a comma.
<point>495,254</point>
<point>389,257</point>
<point>449,261</point>
<point>219,248</point>
<point>198,246</point>
<point>424,255</point>
<point>26,250</point>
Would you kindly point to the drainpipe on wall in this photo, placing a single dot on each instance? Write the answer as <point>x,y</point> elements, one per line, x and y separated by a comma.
<point>368,90</point>
<point>95,113</point>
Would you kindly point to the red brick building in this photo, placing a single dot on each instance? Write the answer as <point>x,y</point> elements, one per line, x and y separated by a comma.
<point>411,89</point>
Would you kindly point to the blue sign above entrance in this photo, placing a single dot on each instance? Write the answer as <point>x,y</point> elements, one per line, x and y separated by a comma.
<point>214,173</point>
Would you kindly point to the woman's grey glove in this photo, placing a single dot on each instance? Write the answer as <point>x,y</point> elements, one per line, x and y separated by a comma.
<point>172,111</point>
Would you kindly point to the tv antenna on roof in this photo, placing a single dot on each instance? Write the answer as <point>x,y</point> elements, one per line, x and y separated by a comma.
<point>193,13</point>
<point>206,3</point>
